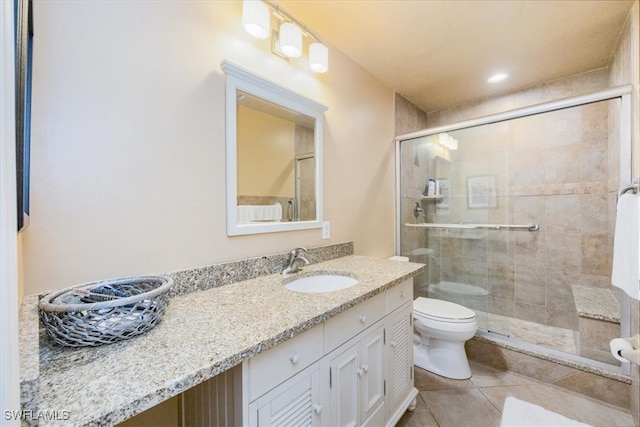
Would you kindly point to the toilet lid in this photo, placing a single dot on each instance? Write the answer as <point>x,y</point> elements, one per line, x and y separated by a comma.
<point>439,309</point>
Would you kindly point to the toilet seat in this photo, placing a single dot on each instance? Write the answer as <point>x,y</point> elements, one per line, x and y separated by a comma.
<point>443,311</point>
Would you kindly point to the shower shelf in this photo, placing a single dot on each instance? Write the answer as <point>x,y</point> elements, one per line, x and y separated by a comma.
<point>465,226</point>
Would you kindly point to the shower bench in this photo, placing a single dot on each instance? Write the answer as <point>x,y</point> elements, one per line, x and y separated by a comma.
<point>598,321</point>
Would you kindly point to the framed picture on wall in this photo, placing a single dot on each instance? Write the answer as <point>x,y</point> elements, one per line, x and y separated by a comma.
<point>481,192</point>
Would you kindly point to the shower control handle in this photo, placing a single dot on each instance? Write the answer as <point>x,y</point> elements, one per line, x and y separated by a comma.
<point>417,210</point>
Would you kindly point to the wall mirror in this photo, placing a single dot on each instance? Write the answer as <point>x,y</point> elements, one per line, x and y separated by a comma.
<point>273,156</point>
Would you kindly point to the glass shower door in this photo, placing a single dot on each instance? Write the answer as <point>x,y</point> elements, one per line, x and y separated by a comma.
<point>465,263</point>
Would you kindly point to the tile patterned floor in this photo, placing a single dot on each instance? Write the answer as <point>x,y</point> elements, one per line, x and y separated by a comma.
<point>478,401</point>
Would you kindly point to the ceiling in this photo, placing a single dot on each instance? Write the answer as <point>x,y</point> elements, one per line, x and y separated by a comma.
<point>439,54</point>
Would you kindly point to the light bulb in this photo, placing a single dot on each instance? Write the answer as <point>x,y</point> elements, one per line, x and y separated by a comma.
<point>497,78</point>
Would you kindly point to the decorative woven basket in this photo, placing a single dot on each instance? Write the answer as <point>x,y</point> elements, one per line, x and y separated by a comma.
<point>106,311</point>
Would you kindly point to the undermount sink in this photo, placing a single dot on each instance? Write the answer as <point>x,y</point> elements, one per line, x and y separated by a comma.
<point>321,282</point>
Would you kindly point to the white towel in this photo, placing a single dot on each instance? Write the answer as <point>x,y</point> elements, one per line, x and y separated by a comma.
<point>625,271</point>
<point>518,413</point>
<point>253,213</point>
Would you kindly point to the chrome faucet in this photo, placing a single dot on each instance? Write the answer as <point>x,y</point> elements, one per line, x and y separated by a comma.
<point>296,261</point>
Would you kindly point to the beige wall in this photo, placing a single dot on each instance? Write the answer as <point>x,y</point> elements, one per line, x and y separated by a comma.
<point>128,142</point>
<point>265,154</point>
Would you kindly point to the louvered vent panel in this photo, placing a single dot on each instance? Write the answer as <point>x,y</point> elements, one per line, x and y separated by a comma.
<point>401,368</point>
<point>211,403</point>
<point>296,413</point>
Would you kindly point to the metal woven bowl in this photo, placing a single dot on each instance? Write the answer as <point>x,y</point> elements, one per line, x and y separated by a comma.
<point>106,311</point>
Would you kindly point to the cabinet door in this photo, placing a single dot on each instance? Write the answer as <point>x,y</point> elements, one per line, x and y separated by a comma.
<point>371,372</point>
<point>295,402</point>
<point>400,356</point>
<point>344,370</point>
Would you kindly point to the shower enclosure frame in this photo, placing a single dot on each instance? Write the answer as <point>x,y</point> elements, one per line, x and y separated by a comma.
<point>620,92</point>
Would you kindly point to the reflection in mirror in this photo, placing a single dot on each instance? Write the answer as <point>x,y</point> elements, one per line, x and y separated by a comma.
<point>273,156</point>
<point>276,162</point>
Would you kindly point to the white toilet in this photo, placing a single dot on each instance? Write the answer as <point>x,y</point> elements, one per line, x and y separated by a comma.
<point>440,331</point>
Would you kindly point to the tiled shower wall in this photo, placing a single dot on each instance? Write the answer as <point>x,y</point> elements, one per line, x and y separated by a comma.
<point>551,170</point>
<point>409,118</point>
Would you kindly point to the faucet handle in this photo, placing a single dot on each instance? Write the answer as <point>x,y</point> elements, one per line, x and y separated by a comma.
<point>294,253</point>
<point>299,254</point>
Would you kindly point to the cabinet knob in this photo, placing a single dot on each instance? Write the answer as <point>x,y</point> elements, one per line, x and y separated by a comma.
<point>393,344</point>
<point>293,357</point>
<point>402,294</point>
<point>363,318</point>
<point>360,372</point>
<point>317,408</point>
<point>365,368</point>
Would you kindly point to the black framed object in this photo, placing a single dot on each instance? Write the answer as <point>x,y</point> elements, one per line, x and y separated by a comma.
<point>23,21</point>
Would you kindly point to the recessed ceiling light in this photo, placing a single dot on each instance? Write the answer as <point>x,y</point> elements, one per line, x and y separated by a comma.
<point>497,78</point>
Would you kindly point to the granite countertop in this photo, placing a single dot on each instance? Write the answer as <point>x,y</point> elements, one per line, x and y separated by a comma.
<point>201,335</point>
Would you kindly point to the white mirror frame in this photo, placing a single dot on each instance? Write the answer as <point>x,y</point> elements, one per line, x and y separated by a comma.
<point>240,79</point>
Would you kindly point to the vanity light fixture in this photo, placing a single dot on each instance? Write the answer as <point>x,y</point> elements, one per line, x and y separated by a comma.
<point>287,42</point>
<point>256,18</point>
<point>497,78</point>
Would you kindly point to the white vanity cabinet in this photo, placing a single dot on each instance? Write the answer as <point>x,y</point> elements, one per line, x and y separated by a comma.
<point>356,379</point>
<point>355,369</point>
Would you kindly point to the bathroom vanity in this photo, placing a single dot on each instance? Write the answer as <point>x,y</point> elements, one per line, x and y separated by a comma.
<point>354,369</point>
<point>343,357</point>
